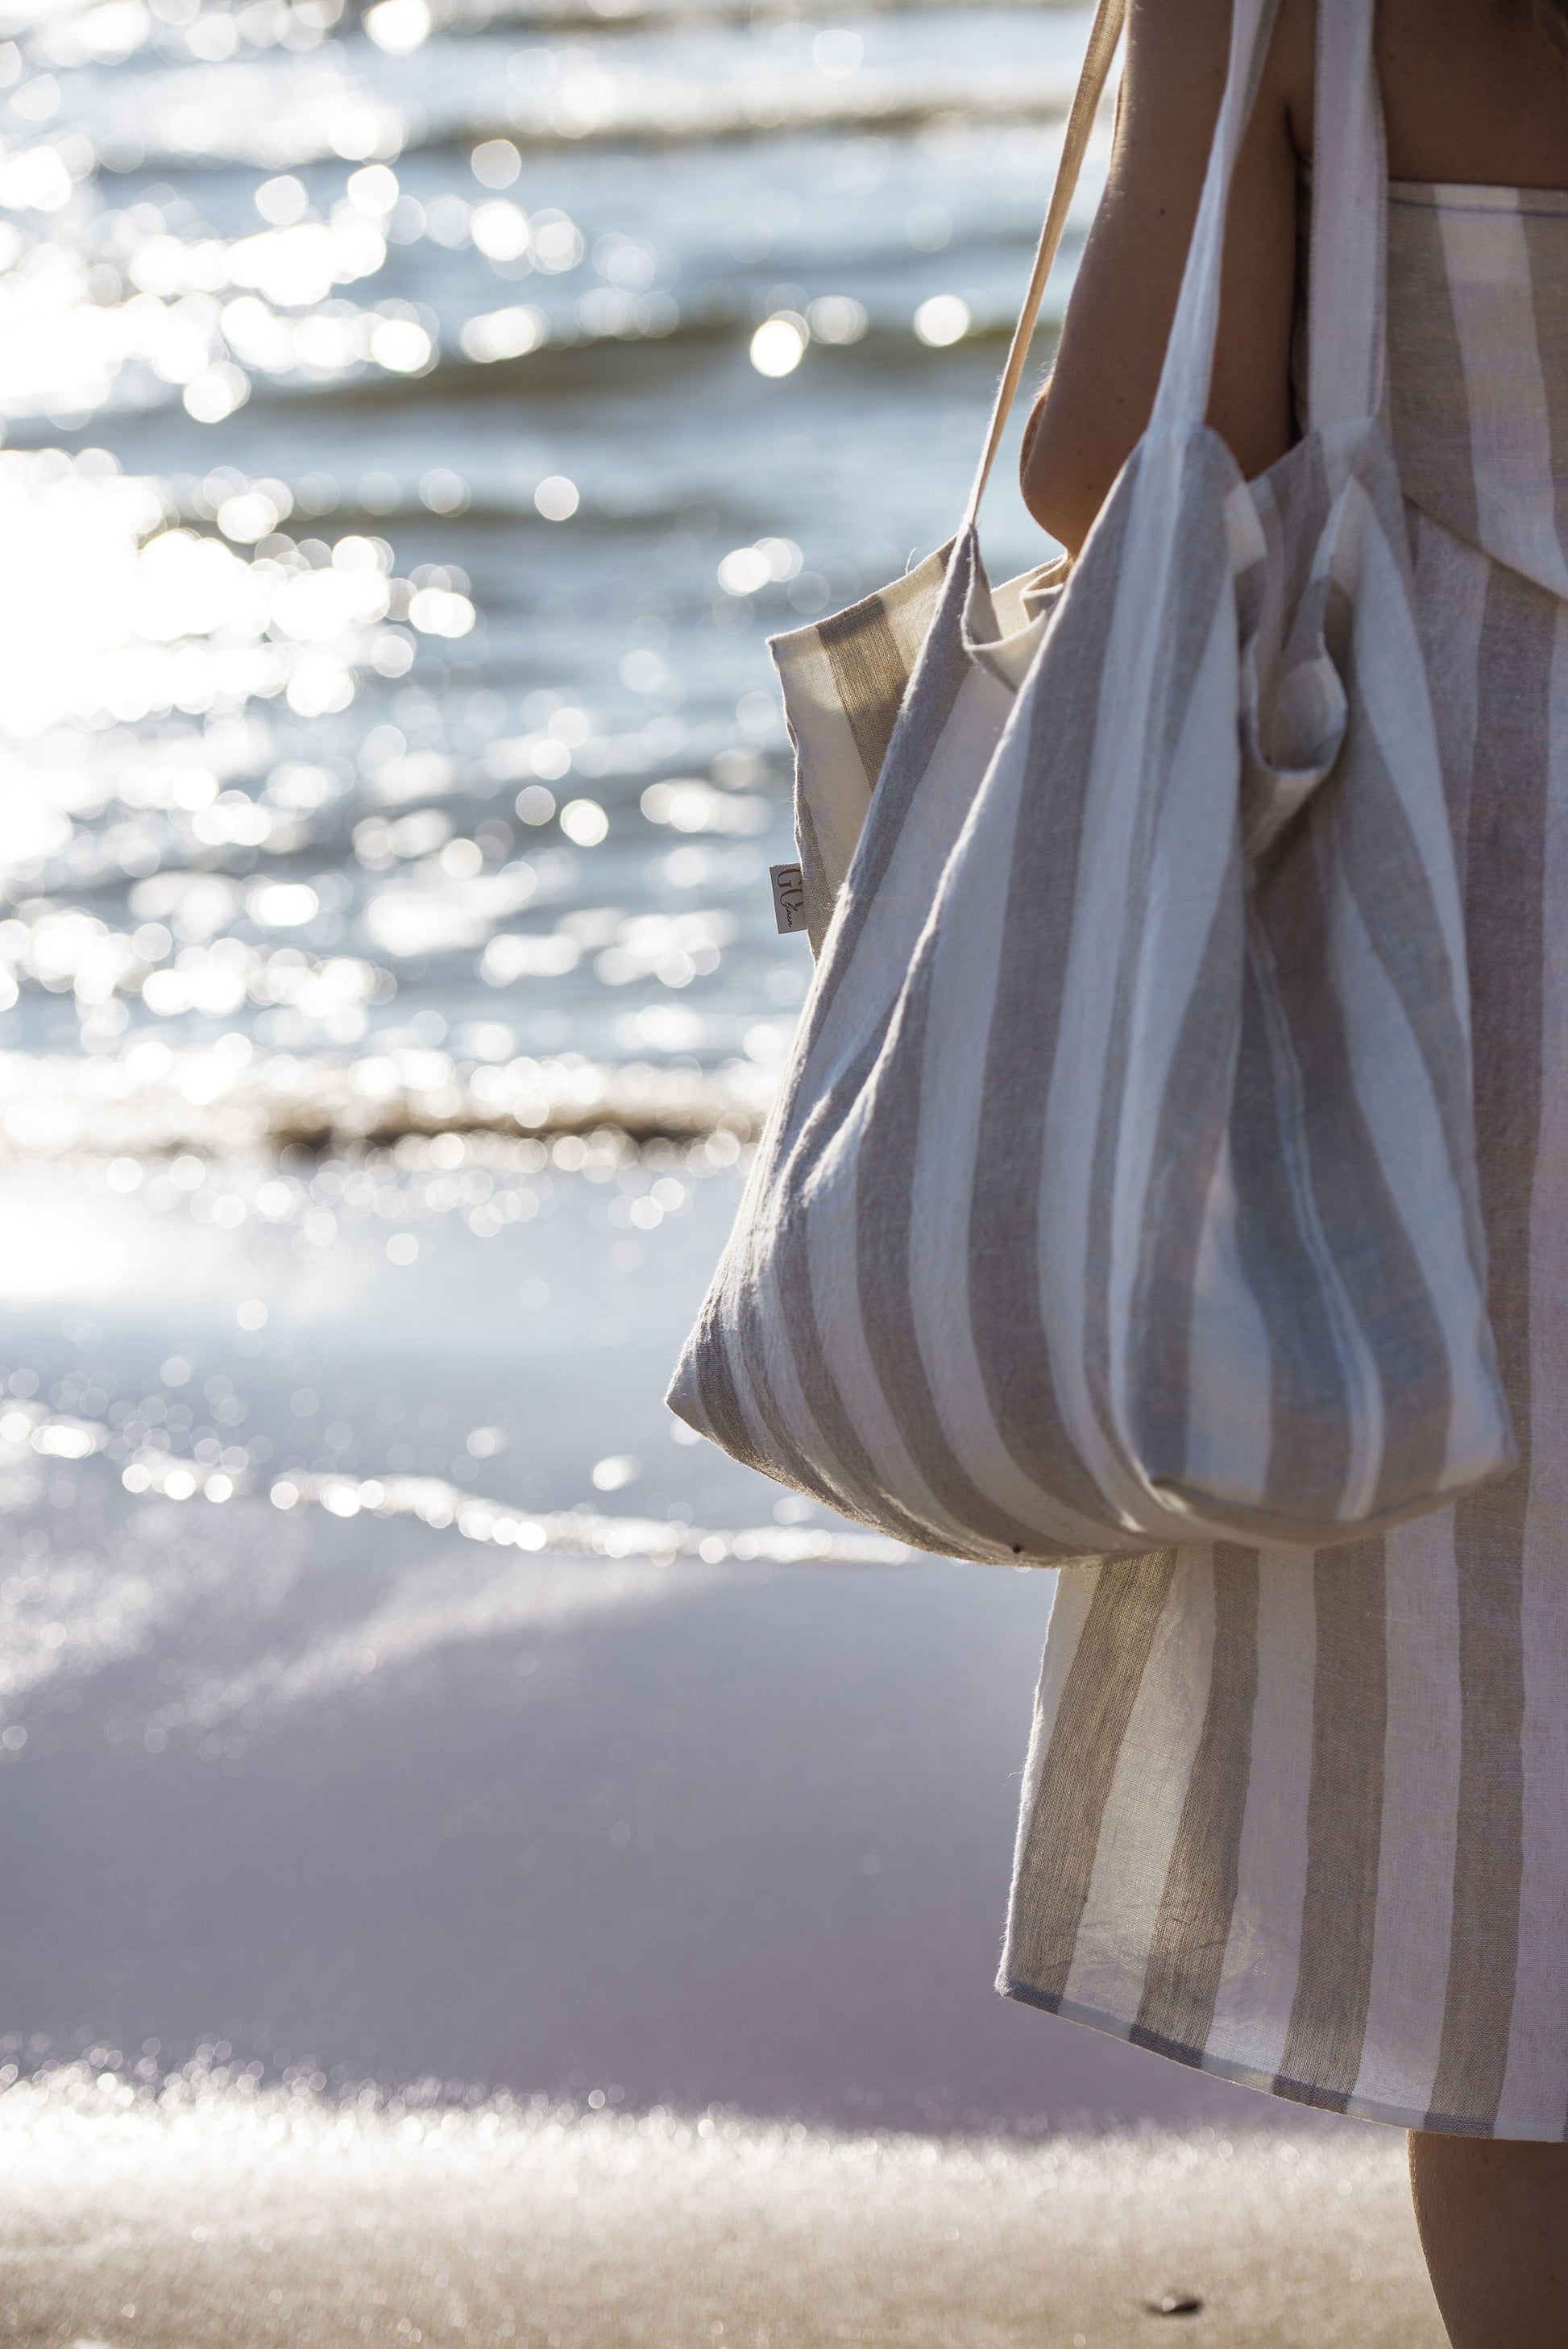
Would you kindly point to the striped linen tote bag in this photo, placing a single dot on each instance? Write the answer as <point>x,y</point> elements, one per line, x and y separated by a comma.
<point>1121,1191</point>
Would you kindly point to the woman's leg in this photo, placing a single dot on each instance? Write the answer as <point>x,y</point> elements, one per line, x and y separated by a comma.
<point>1493,2220</point>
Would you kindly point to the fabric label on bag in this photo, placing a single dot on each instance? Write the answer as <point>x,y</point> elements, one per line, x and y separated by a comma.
<point>789,897</point>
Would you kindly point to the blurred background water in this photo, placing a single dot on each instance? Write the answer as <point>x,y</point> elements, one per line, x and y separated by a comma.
<point>413,422</point>
<point>413,428</point>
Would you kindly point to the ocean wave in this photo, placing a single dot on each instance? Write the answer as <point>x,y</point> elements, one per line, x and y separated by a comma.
<point>582,1533</point>
<point>63,1623</point>
<point>568,357</point>
<point>154,1100</point>
<point>69,361</point>
<point>421,80</point>
<point>113,35</point>
<point>555,350</point>
<point>602,17</point>
<point>336,116</point>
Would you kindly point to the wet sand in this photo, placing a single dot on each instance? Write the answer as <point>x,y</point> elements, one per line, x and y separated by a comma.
<point>645,1894</point>
<point>360,1791</point>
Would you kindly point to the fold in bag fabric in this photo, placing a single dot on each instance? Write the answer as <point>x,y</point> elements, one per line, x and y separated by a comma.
<point>1121,1189</point>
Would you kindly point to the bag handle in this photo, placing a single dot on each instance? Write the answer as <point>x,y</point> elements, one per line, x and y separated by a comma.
<point>1345,327</point>
<point>1184,379</point>
<point>1102,41</point>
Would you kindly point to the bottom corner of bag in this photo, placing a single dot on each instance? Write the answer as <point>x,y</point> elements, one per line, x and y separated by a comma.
<point>683,1395</point>
<point>1256,1519</point>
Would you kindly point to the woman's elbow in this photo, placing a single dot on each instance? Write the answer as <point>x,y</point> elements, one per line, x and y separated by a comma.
<point>1030,480</point>
<point>1047,483</point>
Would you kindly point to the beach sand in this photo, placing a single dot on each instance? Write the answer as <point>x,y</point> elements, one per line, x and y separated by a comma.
<point>327,1796</point>
<point>220,2218</point>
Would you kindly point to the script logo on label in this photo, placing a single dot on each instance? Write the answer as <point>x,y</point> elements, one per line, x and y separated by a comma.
<point>788,896</point>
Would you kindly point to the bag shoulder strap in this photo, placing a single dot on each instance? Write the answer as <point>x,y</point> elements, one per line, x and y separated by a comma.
<point>1183,394</point>
<point>1346,326</point>
<point>1346,321</point>
<point>1102,41</point>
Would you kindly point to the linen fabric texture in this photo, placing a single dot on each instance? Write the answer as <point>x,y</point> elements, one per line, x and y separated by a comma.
<point>1121,1189</point>
<point>1299,1821</point>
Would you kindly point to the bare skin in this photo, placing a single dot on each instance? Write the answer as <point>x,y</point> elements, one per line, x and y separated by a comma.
<point>1493,2220</point>
<point>1473,90</point>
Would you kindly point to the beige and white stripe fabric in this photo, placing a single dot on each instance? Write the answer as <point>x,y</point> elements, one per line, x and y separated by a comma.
<point>844,683</point>
<point>1301,1821</point>
<point>1121,1190</point>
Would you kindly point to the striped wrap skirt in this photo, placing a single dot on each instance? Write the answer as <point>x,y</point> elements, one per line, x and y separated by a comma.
<point>1303,1821</point>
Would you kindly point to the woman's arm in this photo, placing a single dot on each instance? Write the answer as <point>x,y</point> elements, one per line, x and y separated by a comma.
<point>1097,404</point>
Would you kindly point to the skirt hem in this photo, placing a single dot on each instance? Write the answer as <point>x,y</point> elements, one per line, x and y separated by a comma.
<point>1273,2084</point>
